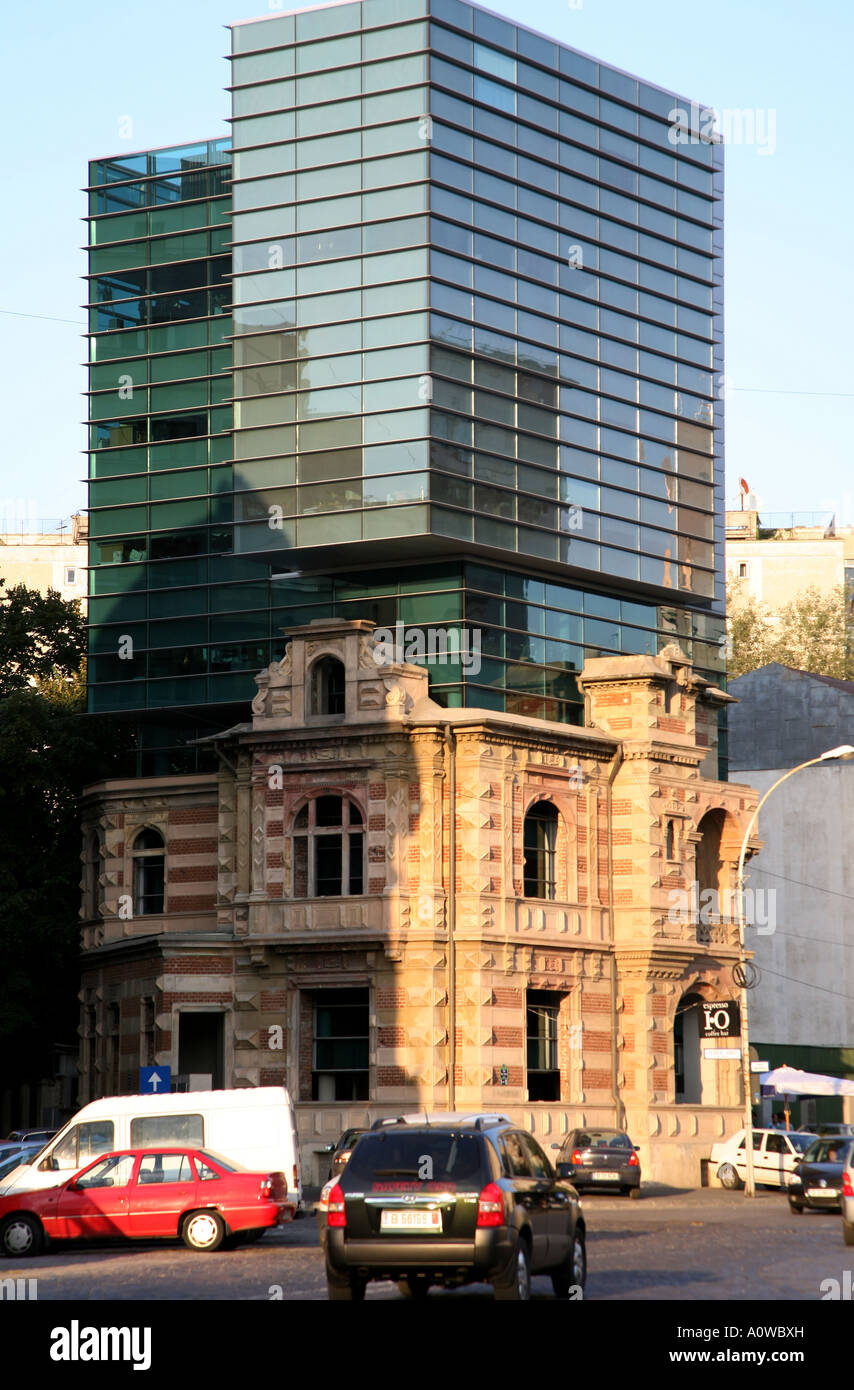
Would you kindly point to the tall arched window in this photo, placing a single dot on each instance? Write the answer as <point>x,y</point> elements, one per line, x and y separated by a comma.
<point>328,849</point>
<point>686,1050</point>
<point>670,841</point>
<point>540,842</point>
<point>149,873</point>
<point>327,686</point>
<point>91,873</point>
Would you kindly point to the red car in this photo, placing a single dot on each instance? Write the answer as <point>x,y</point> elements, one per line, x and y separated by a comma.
<point>144,1193</point>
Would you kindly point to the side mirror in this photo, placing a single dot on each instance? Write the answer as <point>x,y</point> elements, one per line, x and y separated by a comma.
<point>556,1146</point>
<point>48,1165</point>
<point>564,1170</point>
<point>636,1148</point>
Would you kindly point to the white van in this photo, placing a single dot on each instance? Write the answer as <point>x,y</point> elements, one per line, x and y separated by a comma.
<point>254,1126</point>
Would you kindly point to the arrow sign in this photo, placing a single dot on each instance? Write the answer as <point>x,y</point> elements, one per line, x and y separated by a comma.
<point>154,1080</point>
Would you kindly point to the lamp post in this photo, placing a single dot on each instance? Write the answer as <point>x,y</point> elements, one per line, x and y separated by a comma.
<point>843,752</point>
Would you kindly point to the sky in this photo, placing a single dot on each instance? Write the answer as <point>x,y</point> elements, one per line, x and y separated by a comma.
<point>77,75</point>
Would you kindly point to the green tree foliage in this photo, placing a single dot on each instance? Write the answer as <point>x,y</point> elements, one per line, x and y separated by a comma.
<point>49,750</point>
<point>813,632</point>
<point>41,636</point>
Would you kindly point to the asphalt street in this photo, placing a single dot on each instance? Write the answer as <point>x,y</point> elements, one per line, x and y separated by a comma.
<point>706,1245</point>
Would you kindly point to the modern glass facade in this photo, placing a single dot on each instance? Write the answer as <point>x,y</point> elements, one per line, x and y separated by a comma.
<point>475,329</point>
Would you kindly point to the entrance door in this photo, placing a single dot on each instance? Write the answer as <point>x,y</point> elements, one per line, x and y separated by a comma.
<point>200,1047</point>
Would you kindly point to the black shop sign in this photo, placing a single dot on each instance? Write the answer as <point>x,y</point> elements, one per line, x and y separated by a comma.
<point>720,1020</point>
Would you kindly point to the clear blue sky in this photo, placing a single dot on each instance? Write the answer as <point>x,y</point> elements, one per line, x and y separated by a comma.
<point>73,72</point>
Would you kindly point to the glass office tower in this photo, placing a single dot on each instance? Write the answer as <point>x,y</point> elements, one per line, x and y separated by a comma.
<point>475,328</point>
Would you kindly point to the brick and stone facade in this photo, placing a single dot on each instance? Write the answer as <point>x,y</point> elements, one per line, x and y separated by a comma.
<point>445,956</point>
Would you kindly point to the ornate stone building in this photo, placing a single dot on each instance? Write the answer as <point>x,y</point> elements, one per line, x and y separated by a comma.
<point>294,919</point>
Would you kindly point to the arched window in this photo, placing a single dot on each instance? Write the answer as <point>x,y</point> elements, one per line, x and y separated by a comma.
<point>149,873</point>
<point>328,849</point>
<point>686,1050</point>
<point>670,841</point>
<point>91,873</point>
<point>540,841</point>
<point>327,686</point>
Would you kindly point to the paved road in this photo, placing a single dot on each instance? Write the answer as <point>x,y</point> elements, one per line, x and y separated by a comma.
<point>704,1245</point>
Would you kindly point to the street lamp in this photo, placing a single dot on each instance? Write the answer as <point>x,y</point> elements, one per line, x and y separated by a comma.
<point>843,752</point>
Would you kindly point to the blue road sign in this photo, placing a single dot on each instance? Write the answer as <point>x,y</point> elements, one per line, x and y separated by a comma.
<point>155,1081</point>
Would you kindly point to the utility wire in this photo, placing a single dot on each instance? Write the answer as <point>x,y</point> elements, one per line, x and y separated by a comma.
<point>46,318</point>
<point>831,892</point>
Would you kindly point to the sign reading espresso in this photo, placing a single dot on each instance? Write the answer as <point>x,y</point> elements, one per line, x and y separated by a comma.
<point>721,1019</point>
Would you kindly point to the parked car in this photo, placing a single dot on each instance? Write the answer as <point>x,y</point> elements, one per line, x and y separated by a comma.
<point>817,1179</point>
<point>776,1152</point>
<point>601,1159</point>
<point>24,1139</point>
<point>9,1162</point>
<point>342,1150</point>
<point>253,1126</point>
<point>146,1193</point>
<point>451,1200</point>
<point>847,1202</point>
<point>843,1131</point>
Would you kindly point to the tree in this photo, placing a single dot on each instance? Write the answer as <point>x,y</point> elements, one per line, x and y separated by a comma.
<point>41,635</point>
<point>49,750</point>
<point>813,632</point>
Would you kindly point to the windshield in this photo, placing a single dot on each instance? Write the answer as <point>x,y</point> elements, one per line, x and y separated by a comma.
<point>801,1142</point>
<point>602,1139</point>
<point>228,1165</point>
<point>397,1158</point>
<point>827,1151</point>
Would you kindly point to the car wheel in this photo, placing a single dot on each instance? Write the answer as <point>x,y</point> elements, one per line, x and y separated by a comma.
<point>344,1288</point>
<point>203,1230</point>
<point>795,1206</point>
<point>414,1286</point>
<point>728,1177</point>
<point>573,1272</point>
<point>516,1286</point>
<point>848,1231</point>
<point>21,1235</point>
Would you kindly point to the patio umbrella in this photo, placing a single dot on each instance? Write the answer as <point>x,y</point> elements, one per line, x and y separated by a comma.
<point>789,1081</point>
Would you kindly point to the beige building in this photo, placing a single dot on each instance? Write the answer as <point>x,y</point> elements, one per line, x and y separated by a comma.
<point>55,559</point>
<point>389,906</point>
<point>776,562</point>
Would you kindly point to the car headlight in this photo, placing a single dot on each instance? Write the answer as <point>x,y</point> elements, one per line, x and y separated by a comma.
<point>795,1181</point>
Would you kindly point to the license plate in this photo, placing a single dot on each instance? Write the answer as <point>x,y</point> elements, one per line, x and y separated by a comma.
<point>826,1192</point>
<point>605,1177</point>
<point>429,1221</point>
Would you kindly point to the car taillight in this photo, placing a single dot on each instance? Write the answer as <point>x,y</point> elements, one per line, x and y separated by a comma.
<point>576,1156</point>
<point>296,1179</point>
<point>490,1206</point>
<point>335,1214</point>
<point>265,1188</point>
<point>633,1160</point>
<point>847,1189</point>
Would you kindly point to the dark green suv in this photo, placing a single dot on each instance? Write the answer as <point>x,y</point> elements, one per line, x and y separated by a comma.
<point>451,1200</point>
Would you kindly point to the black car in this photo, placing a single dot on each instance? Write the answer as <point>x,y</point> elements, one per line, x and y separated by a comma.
<point>601,1159</point>
<point>452,1200</point>
<point>817,1180</point>
<point>342,1150</point>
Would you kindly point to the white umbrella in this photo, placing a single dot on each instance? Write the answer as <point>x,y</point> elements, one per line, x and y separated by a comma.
<point>788,1081</point>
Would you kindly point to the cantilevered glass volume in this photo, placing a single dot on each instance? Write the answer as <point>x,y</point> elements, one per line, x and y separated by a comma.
<point>475,329</point>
